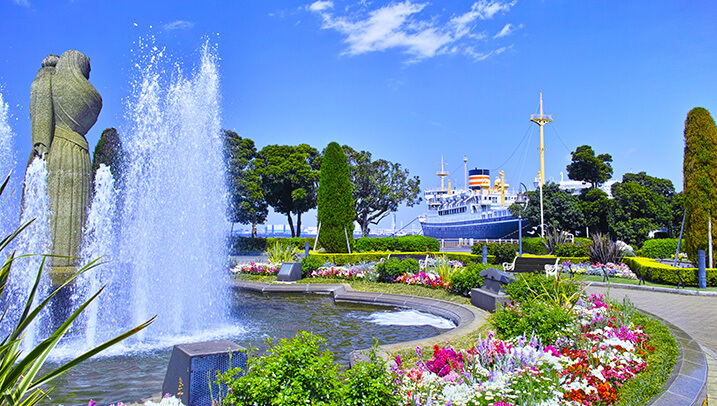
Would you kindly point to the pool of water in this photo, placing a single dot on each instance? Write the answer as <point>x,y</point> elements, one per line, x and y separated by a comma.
<point>139,372</point>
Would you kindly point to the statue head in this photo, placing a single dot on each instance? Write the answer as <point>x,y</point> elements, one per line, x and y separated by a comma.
<point>50,60</point>
<point>74,60</point>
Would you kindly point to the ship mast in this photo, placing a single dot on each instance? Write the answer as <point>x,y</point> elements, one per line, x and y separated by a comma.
<point>465,172</point>
<point>442,173</point>
<point>541,119</point>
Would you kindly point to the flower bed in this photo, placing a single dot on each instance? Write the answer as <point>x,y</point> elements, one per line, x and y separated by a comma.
<point>257,268</point>
<point>586,368</point>
<point>343,272</point>
<point>597,269</point>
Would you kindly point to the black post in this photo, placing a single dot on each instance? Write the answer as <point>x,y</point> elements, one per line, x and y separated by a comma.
<point>306,250</point>
<point>701,269</point>
<point>520,234</point>
<point>485,254</point>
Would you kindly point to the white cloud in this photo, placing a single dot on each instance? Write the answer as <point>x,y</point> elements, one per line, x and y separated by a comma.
<point>404,25</point>
<point>321,5</point>
<point>507,30</point>
<point>23,3</point>
<point>178,25</point>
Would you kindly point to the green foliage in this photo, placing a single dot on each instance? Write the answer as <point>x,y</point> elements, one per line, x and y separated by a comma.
<point>467,278</point>
<point>529,287</point>
<point>534,245</point>
<point>657,272</point>
<point>289,177</point>
<point>109,152</point>
<point>572,250</point>
<point>370,383</point>
<point>700,180</point>
<point>242,245</point>
<point>408,243</point>
<point>587,167</point>
<point>649,382</point>
<point>637,208</point>
<point>392,268</point>
<point>379,187</point>
<point>280,253</point>
<point>298,242</point>
<point>294,371</point>
<point>595,207</point>
<point>504,252</point>
<point>310,264</point>
<point>354,258</point>
<point>335,201</point>
<point>604,250</point>
<point>659,248</point>
<point>554,237</point>
<point>247,204</point>
<point>560,208</point>
<point>19,369</point>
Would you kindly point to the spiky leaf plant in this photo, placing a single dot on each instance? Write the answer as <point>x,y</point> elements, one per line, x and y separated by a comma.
<point>604,250</point>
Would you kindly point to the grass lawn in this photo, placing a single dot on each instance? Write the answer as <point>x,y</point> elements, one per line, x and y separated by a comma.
<point>625,281</point>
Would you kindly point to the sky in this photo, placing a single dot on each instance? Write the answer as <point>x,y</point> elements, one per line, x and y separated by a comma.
<point>412,82</point>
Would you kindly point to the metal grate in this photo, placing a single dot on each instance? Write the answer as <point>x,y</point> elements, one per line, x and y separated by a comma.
<point>203,374</point>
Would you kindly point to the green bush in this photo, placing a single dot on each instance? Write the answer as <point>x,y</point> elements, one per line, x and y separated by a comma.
<point>410,265</point>
<point>389,270</point>
<point>658,248</point>
<point>355,258</point>
<point>528,287</point>
<point>504,252</point>
<point>300,373</point>
<point>534,245</point>
<point>334,199</point>
<point>467,278</point>
<point>370,384</point>
<point>242,245</point>
<point>657,272</point>
<point>298,242</point>
<point>408,243</point>
<point>310,264</point>
<point>572,250</point>
<point>544,320</point>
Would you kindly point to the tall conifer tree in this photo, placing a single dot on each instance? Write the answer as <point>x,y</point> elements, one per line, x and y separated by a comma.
<point>700,180</point>
<point>335,200</point>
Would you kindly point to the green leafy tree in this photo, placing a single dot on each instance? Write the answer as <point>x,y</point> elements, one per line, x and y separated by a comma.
<point>247,204</point>
<point>109,152</point>
<point>289,177</point>
<point>379,187</point>
<point>595,207</point>
<point>335,200</point>
<point>638,209</point>
<point>587,167</point>
<point>561,209</point>
<point>700,180</point>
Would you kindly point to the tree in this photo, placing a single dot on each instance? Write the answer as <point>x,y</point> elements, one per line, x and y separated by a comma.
<point>589,168</point>
<point>379,187</point>
<point>289,177</point>
<point>641,204</point>
<point>108,151</point>
<point>595,207</point>
<point>335,200</point>
<point>561,209</point>
<point>700,180</point>
<point>247,204</point>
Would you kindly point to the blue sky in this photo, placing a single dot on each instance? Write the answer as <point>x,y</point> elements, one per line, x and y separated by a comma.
<point>410,81</point>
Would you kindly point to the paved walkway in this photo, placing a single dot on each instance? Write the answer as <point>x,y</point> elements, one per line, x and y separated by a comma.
<point>697,315</point>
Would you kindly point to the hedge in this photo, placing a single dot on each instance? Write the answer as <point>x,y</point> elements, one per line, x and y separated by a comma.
<point>243,245</point>
<point>658,248</point>
<point>658,272</point>
<point>354,258</point>
<point>408,243</point>
<point>299,242</point>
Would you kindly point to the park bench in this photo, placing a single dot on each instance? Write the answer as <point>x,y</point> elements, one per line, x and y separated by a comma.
<point>531,264</point>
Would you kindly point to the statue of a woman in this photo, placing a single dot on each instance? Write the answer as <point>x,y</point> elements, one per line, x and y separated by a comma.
<point>63,107</point>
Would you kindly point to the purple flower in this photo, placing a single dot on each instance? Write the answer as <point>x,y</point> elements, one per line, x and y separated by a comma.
<point>92,403</point>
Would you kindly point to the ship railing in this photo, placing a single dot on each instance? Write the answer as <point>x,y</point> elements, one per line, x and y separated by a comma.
<point>469,242</point>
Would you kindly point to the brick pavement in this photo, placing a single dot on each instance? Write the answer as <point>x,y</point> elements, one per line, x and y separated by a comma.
<point>697,315</point>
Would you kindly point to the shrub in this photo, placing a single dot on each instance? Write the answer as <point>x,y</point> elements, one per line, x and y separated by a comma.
<point>335,201</point>
<point>554,237</point>
<point>657,272</point>
<point>280,253</point>
<point>572,250</point>
<point>408,243</point>
<point>545,321</point>
<point>389,270</point>
<point>534,245</point>
<point>529,287</point>
<point>604,250</point>
<point>467,278</point>
<point>295,371</point>
<point>659,248</point>
<point>370,383</point>
<point>310,264</point>
<point>298,242</point>
<point>242,245</point>
<point>354,258</point>
<point>504,252</point>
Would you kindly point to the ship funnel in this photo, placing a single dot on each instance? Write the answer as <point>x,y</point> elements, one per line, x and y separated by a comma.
<point>478,179</point>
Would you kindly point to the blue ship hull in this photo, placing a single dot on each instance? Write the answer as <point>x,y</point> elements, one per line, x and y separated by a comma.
<point>492,229</point>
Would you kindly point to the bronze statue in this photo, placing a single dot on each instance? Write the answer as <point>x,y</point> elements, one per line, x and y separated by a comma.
<point>63,108</point>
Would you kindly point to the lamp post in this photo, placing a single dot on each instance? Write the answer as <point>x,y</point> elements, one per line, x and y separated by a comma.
<point>522,200</point>
<point>539,183</point>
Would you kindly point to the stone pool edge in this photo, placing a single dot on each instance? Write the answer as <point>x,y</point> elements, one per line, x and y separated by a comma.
<point>465,318</point>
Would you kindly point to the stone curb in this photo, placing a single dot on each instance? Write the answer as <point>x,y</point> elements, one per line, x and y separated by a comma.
<point>686,292</point>
<point>464,317</point>
<point>687,385</point>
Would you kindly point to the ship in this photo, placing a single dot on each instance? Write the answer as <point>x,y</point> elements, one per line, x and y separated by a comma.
<point>479,211</point>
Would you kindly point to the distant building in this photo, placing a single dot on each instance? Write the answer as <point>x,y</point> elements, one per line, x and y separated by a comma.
<point>576,186</point>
